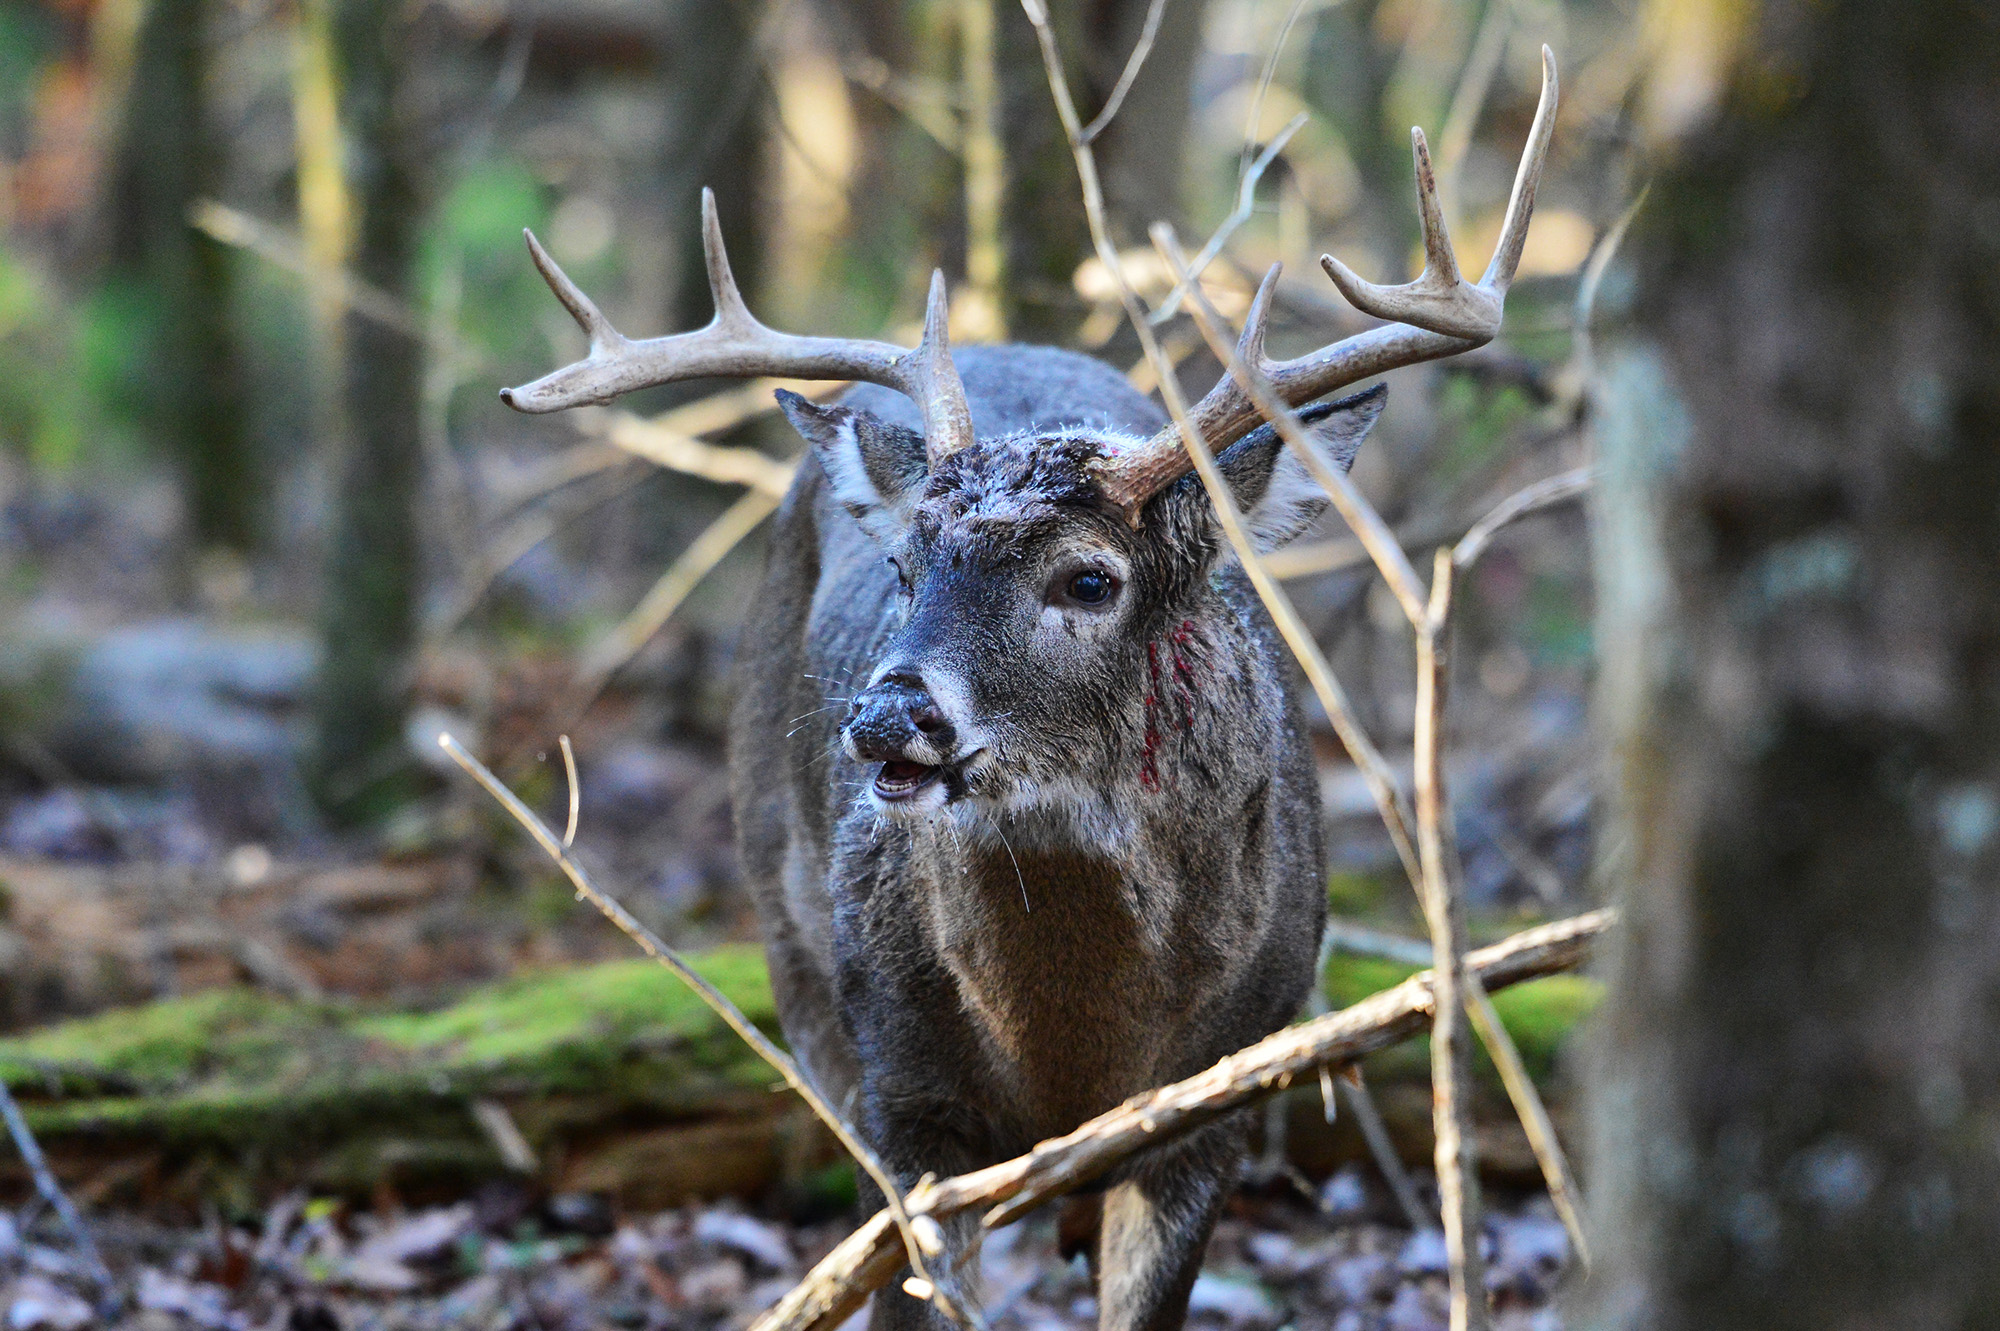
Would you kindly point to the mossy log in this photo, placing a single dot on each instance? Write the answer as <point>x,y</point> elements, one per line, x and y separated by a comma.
<point>616,1076</point>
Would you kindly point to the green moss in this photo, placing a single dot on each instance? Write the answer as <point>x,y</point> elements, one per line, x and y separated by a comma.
<point>617,1002</point>
<point>160,1046</point>
<point>248,1090</point>
<point>236,1065</point>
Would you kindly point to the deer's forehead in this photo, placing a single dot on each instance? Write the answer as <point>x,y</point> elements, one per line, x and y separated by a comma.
<point>1030,478</point>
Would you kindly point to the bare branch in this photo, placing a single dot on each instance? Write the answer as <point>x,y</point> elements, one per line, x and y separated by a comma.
<point>1474,82</point>
<point>1001,1193</point>
<point>52,1193</point>
<point>1246,199</point>
<point>1242,366</point>
<point>575,790</point>
<point>1444,911</point>
<point>1381,544</point>
<point>667,447</point>
<point>1584,353</point>
<point>1137,61</point>
<point>1533,499</point>
<point>338,287</point>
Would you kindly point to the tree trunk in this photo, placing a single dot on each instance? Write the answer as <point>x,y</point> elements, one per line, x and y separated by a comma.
<point>369,604</point>
<point>169,159</point>
<point>1801,587</point>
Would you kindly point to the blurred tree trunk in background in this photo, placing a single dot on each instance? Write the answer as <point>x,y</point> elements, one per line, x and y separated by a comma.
<point>368,607</point>
<point>1144,151</point>
<point>1800,1084</point>
<point>903,182</point>
<point>169,158</point>
<point>1139,157</point>
<point>714,138</point>
<point>1046,236</point>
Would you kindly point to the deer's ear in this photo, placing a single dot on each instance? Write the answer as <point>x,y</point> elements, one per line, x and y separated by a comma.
<point>1278,496</point>
<point>874,469</point>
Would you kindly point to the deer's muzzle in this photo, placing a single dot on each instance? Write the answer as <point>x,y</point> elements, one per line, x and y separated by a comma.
<point>896,722</point>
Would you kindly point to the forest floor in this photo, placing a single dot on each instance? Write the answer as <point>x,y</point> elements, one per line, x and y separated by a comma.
<point>503,1260</point>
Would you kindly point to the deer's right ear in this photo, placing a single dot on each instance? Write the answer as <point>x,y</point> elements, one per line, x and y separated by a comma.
<point>875,469</point>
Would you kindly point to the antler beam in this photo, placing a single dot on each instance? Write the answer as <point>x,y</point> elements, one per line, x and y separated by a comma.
<point>1439,314</point>
<point>736,345</point>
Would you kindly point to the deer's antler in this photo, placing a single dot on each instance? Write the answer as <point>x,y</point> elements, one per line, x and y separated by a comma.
<point>1439,314</point>
<point>736,345</point>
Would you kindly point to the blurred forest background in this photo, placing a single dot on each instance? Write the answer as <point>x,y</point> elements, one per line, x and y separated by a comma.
<point>266,532</point>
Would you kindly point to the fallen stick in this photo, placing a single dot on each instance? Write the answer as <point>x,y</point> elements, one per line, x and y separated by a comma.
<point>109,1302</point>
<point>871,1256</point>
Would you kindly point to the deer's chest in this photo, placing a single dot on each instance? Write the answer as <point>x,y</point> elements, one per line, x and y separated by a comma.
<point>1073,1000</point>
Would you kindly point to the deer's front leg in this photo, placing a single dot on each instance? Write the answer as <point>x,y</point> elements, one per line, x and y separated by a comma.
<point>1156,1226</point>
<point>921,1148</point>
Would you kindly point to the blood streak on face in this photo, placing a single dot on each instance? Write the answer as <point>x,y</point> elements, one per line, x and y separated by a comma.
<point>1149,767</point>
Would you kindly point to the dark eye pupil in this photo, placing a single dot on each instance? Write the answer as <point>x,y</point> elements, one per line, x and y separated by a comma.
<point>1090,587</point>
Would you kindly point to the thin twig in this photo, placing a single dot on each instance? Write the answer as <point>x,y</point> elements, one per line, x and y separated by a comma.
<point>1380,1145</point>
<point>717,1001</point>
<point>1246,199</point>
<point>340,288</point>
<point>1444,911</point>
<point>1374,1133</point>
<point>1002,1193</point>
<point>1133,64</point>
<point>1584,352</point>
<point>1264,80</point>
<point>1533,498</point>
<point>1365,942</point>
<point>575,790</point>
<point>1362,519</point>
<point>58,1200</point>
<point>659,441</point>
<point>515,540</point>
<point>985,171</point>
<point>925,103</point>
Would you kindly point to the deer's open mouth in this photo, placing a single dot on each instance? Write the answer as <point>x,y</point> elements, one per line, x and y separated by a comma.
<point>900,780</point>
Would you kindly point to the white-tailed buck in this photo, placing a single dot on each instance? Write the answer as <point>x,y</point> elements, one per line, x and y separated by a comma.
<point>1056,840</point>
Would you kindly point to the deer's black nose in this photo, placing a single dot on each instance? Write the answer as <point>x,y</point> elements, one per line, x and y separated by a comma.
<point>889,718</point>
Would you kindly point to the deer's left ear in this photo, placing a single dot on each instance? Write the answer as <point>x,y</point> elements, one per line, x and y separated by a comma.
<point>1278,496</point>
<point>874,469</point>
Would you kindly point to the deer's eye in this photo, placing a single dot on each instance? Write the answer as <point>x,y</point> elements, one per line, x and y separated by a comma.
<point>902,574</point>
<point>1093,586</point>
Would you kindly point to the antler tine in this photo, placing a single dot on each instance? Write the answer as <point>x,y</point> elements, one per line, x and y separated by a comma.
<point>1521,204</point>
<point>1440,299</point>
<point>1250,347</point>
<point>1438,257</point>
<point>581,307</point>
<point>947,415</point>
<point>730,311</point>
